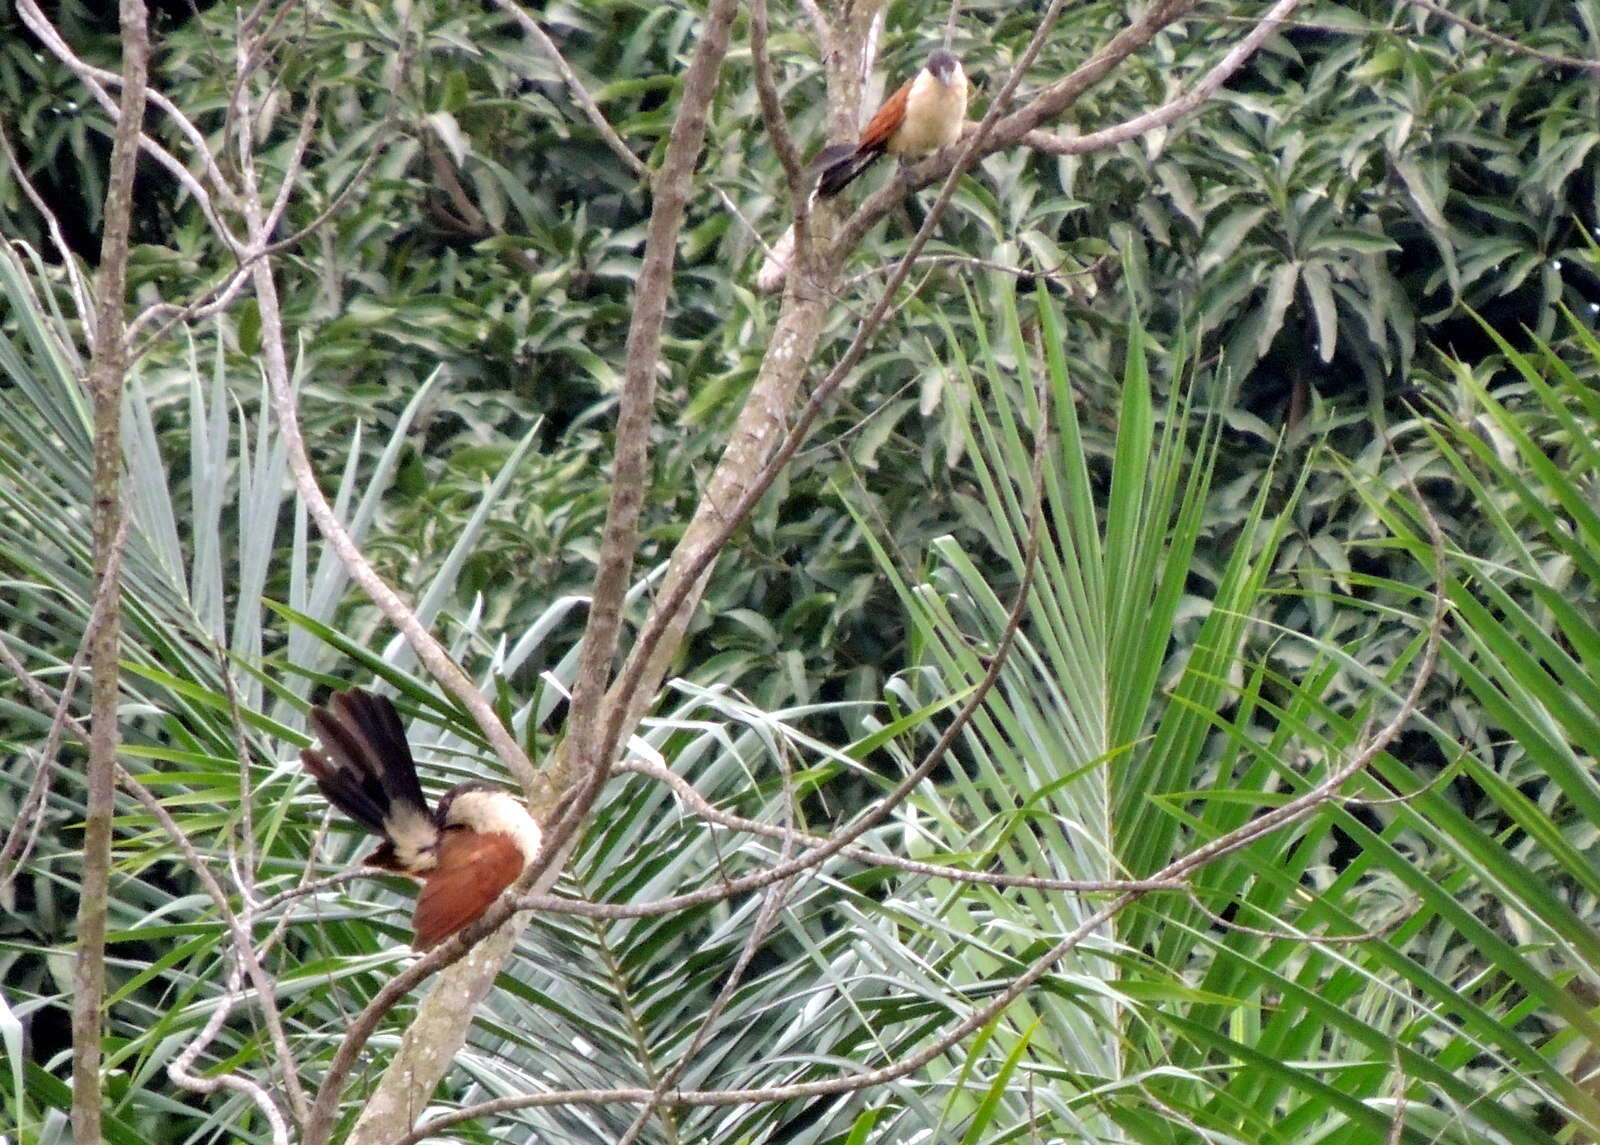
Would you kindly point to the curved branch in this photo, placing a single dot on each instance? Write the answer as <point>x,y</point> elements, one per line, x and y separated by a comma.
<point>96,79</point>
<point>1055,144</point>
<point>580,94</point>
<point>1554,59</point>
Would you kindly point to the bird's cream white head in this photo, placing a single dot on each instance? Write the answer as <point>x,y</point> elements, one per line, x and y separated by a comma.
<point>493,811</point>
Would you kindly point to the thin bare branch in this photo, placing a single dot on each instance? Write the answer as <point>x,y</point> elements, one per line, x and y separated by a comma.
<point>702,809</point>
<point>218,296</point>
<point>311,886</point>
<point>765,917</point>
<point>291,167</point>
<point>429,651</point>
<point>821,26</point>
<point>1297,935</point>
<point>81,296</point>
<point>181,1068</point>
<point>580,94</point>
<point>246,877</point>
<point>29,820</point>
<point>1059,144</point>
<point>1554,59</point>
<point>107,376</point>
<point>24,832</point>
<point>1397,1125</point>
<point>1444,776</point>
<point>1054,274</point>
<point>96,80</point>
<point>772,110</point>
<point>591,740</point>
<point>793,248</point>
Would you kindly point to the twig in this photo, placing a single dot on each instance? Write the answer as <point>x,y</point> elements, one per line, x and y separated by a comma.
<point>1397,1126</point>
<point>1054,144</point>
<point>764,919</point>
<point>181,1068</point>
<point>24,833</point>
<point>733,209</point>
<point>821,26</point>
<point>29,818</point>
<point>580,94</point>
<point>259,979</point>
<point>241,747</point>
<point>96,79</point>
<point>1445,773</point>
<point>704,810</point>
<point>1052,274</point>
<point>314,886</point>
<point>429,651</point>
<point>69,263</point>
<point>793,248</point>
<point>1295,935</point>
<point>1552,58</point>
<point>218,296</point>
<point>772,109</point>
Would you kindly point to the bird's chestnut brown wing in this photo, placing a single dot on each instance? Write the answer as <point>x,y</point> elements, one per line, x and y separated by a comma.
<point>473,869</point>
<point>875,135</point>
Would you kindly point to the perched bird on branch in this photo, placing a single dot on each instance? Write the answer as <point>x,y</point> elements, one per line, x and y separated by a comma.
<point>465,851</point>
<point>925,114</point>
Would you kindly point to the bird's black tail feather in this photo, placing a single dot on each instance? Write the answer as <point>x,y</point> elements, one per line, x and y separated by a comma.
<point>842,165</point>
<point>368,772</point>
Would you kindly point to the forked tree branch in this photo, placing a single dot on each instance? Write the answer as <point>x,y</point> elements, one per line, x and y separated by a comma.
<point>582,763</point>
<point>588,747</point>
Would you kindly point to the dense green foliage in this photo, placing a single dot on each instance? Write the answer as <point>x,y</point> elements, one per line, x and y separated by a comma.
<point>1333,211</point>
<point>1368,255</point>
